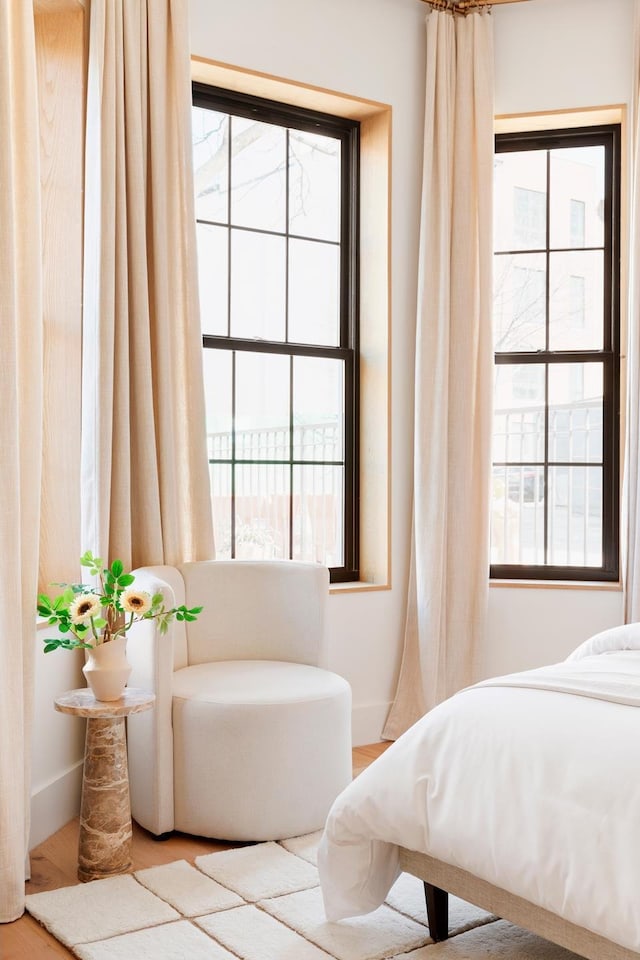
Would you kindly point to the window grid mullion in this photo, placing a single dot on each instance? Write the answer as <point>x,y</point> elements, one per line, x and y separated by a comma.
<point>291,428</point>
<point>547,314</point>
<point>233,455</point>
<point>228,224</point>
<point>286,330</point>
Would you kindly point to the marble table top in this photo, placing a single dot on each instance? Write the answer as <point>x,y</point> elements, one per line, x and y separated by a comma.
<point>82,703</point>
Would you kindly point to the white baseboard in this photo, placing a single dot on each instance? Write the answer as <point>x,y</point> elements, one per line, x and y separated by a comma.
<point>367,722</point>
<point>55,803</point>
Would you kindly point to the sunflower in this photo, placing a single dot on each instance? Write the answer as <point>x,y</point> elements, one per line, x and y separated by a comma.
<point>85,606</point>
<point>135,601</point>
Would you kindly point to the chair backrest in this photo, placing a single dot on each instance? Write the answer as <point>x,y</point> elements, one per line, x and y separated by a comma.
<point>168,581</point>
<point>256,610</point>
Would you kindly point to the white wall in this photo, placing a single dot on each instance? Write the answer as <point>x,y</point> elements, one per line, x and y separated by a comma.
<point>560,54</point>
<point>57,742</point>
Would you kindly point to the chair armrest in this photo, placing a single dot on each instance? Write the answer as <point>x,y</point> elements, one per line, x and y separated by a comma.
<point>150,734</point>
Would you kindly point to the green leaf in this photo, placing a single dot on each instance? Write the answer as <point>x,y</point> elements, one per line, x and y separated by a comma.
<point>99,623</point>
<point>88,560</point>
<point>125,580</point>
<point>50,645</point>
<point>116,568</point>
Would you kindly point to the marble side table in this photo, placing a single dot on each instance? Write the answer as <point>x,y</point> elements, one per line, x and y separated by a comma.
<point>104,843</point>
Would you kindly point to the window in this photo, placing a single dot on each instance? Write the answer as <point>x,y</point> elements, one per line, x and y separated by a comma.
<point>554,512</point>
<point>277,221</point>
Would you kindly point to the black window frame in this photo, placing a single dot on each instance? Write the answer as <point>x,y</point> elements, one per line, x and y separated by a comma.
<point>348,131</point>
<point>608,136</point>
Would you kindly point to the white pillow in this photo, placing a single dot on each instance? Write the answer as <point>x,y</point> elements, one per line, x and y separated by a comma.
<point>625,637</point>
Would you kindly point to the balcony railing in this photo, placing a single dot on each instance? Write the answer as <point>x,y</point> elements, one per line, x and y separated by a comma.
<point>569,494</point>
<point>287,492</point>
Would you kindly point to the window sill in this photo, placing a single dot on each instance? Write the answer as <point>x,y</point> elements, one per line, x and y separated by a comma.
<point>357,586</point>
<point>558,584</point>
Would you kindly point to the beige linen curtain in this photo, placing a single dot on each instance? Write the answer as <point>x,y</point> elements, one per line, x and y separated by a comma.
<point>144,462</point>
<point>20,434</point>
<point>630,526</point>
<point>447,596</point>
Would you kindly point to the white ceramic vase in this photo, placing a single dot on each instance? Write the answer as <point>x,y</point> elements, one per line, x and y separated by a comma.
<point>107,669</point>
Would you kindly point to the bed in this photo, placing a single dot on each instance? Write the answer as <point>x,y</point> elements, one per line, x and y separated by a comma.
<point>520,794</point>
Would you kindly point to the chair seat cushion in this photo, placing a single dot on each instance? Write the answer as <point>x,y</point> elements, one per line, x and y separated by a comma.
<point>255,682</point>
<point>261,748</point>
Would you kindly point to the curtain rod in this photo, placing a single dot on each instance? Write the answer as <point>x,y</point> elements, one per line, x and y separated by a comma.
<point>461,6</point>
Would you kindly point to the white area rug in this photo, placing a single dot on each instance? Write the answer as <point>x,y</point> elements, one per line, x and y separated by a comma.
<point>263,902</point>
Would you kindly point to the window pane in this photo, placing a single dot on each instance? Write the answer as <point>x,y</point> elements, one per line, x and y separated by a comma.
<point>318,408</point>
<point>520,200</point>
<point>258,284</point>
<point>576,300</point>
<point>576,198</point>
<point>518,422</point>
<point>211,164</point>
<point>519,301</point>
<point>213,278</point>
<point>314,273</point>
<point>262,406</point>
<point>258,174</point>
<point>314,185</point>
<point>218,372</point>
<point>575,516</point>
<point>517,515</point>
<point>220,480</point>
<point>262,511</point>
<point>318,521</point>
<point>575,412</point>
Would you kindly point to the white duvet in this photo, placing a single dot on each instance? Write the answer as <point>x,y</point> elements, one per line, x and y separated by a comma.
<point>531,782</point>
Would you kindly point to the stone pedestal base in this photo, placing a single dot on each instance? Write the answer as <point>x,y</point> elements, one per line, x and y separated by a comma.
<point>104,844</point>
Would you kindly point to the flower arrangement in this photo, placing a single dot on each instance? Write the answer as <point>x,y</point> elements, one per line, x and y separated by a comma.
<point>87,617</point>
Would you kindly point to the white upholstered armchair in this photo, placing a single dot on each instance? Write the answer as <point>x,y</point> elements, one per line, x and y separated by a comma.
<point>250,738</point>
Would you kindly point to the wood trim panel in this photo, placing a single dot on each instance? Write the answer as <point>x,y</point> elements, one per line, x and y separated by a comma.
<point>57,6</point>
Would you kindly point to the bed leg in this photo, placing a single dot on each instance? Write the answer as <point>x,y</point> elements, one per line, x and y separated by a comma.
<point>437,911</point>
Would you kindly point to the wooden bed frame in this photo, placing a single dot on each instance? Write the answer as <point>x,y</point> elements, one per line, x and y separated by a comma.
<point>440,879</point>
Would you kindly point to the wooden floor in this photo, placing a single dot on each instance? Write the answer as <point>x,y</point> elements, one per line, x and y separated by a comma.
<point>54,864</point>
